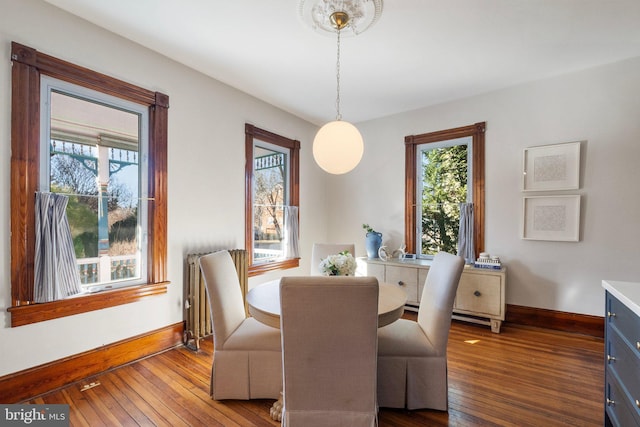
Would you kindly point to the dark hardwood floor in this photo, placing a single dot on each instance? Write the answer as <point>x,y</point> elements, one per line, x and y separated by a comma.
<point>523,376</point>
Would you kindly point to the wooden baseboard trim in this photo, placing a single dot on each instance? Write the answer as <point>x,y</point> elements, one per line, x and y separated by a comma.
<point>23,385</point>
<point>559,320</point>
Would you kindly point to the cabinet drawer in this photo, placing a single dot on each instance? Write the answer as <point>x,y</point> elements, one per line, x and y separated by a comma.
<point>622,363</point>
<point>617,406</point>
<point>375,270</point>
<point>480,294</point>
<point>625,321</point>
<point>405,277</point>
<point>487,307</point>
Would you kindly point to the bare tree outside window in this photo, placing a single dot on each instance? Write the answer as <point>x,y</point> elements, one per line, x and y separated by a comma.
<point>269,200</point>
<point>93,159</point>
<point>78,180</point>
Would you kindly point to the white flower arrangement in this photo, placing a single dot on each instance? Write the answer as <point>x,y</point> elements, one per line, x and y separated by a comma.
<point>342,264</point>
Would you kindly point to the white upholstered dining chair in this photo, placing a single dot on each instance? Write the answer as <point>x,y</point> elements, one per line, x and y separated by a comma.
<point>412,356</point>
<point>329,336</point>
<point>247,357</point>
<point>320,251</point>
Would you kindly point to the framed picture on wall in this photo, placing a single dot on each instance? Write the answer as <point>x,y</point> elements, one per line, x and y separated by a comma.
<point>551,218</point>
<point>552,167</point>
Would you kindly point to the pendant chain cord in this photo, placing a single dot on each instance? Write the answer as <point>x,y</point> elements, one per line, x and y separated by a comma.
<point>338,114</point>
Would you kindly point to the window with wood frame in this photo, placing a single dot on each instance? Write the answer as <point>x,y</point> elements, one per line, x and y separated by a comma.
<point>31,171</point>
<point>271,200</point>
<point>442,170</point>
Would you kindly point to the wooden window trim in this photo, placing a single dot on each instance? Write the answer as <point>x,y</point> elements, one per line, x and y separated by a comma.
<point>251,133</point>
<point>476,131</point>
<point>27,67</point>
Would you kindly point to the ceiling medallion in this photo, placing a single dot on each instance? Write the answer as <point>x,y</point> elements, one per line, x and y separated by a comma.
<point>362,14</point>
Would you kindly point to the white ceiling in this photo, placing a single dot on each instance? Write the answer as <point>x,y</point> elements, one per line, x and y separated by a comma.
<point>419,53</point>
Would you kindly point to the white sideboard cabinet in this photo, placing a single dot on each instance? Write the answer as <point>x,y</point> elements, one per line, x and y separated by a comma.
<point>480,297</point>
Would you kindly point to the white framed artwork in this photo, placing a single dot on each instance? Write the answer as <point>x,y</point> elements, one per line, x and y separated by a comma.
<point>552,167</point>
<point>554,218</point>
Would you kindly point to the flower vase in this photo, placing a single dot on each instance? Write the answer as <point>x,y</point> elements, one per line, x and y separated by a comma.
<point>372,244</point>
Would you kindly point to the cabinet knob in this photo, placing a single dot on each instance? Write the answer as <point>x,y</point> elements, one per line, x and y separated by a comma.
<point>477,293</point>
<point>610,358</point>
<point>610,314</point>
<point>610,402</point>
<point>400,282</point>
<point>637,403</point>
<point>638,345</point>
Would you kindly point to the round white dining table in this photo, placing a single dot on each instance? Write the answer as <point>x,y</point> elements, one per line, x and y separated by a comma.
<point>264,303</point>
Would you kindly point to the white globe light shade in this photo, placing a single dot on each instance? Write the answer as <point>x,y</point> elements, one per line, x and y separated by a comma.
<point>338,147</point>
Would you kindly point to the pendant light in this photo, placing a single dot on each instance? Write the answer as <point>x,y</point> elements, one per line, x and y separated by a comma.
<point>338,145</point>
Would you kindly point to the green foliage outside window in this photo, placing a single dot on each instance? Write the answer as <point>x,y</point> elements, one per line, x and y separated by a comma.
<point>445,172</point>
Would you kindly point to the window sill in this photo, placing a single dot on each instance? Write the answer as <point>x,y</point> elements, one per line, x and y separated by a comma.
<point>258,269</point>
<point>33,313</point>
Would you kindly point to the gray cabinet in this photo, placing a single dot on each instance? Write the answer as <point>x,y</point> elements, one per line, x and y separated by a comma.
<point>622,356</point>
<point>480,297</point>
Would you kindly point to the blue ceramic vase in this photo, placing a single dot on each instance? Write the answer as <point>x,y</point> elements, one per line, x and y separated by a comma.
<point>373,243</point>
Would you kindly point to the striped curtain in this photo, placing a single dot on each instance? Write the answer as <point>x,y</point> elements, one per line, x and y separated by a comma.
<point>466,246</point>
<point>56,271</point>
<point>291,232</point>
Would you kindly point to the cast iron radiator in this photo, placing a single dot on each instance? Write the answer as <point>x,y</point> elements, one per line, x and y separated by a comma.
<point>196,304</point>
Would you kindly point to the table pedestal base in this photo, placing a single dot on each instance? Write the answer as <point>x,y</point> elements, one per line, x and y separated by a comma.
<point>276,409</point>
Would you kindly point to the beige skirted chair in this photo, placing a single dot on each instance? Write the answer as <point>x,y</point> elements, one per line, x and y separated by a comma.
<point>320,251</point>
<point>329,336</point>
<point>412,356</point>
<point>247,357</point>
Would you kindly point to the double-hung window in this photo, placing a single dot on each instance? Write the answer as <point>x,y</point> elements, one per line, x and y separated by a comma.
<point>444,175</point>
<point>271,206</point>
<point>94,149</point>
<point>444,172</point>
<point>102,142</point>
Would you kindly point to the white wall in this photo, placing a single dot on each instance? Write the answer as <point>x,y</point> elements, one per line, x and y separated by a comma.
<point>599,106</point>
<point>206,175</point>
